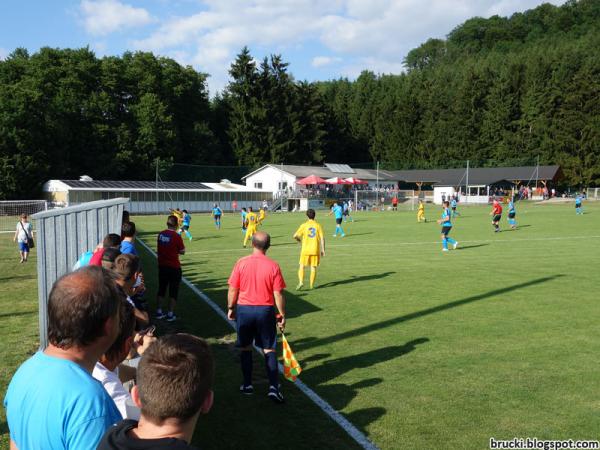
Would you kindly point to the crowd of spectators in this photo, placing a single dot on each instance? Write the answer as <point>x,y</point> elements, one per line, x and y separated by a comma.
<point>81,391</point>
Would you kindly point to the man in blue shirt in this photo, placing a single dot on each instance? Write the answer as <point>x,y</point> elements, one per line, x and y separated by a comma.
<point>578,209</point>
<point>185,225</point>
<point>453,205</point>
<point>338,213</point>
<point>446,223</point>
<point>217,213</point>
<point>128,233</point>
<point>53,402</point>
<point>512,213</point>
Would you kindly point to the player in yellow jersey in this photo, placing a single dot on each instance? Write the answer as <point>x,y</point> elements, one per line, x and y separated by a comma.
<point>261,215</point>
<point>421,212</point>
<point>251,224</point>
<point>310,234</point>
<point>179,214</point>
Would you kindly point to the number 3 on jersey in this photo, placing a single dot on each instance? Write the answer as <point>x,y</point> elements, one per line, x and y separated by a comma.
<point>312,232</point>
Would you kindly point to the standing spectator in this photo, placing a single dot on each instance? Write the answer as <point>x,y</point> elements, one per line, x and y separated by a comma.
<point>23,236</point>
<point>127,244</point>
<point>169,247</point>
<point>255,291</point>
<point>53,402</point>
<point>174,386</point>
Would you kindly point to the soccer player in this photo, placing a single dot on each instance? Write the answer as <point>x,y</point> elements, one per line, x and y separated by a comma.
<point>578,209</point>
<point>453,204</point>
<point>310,234</point>
<point>421,212</point>
<point>261,216</point>
<point>446,223</point>
<point>217,213</point>
<point>243,214</point>
<point>496,215</point>
<point>512,213</point>
<point>338,213</point>
<point>186,224</point>
<point>251,224</point>
<point>179,215</point>
<point>395,203</point>
<point>346,212</point>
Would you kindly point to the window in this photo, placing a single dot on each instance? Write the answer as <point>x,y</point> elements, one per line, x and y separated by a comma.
<point>258,185</point>
<point>282,185</point>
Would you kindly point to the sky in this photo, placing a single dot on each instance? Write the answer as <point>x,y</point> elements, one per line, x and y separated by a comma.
<point>321,39</point>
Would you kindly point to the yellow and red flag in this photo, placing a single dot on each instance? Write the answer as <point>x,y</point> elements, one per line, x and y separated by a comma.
<point>291,368</point>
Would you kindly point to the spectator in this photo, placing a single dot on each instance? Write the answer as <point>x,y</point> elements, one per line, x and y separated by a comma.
<point>127,269</point>
<point>108,257</point>
<point>174,387</point>
<point>128,233</point>
<point>106,370</point>
<point>23,236</point>
<point>53,402</point>
<point>111,240</point>
<point>255,289</point>
<point>169,247</point>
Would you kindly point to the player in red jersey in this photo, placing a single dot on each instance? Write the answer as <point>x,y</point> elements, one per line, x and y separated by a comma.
<point>496,215</point>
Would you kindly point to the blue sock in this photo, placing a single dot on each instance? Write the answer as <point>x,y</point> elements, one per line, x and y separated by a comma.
<point>188,234</point>
<point>337,228</point>
<point>271,367</point>
<point>246,360</point>
<point>452,241</point>
<point>445,243</point>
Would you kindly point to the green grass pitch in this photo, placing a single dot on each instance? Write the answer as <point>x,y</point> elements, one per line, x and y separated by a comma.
<point>419,349</point>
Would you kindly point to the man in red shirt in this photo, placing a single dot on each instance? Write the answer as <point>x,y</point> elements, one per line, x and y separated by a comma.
<point>496,215</point>
<point>169,247</point>
<point>255,292</point>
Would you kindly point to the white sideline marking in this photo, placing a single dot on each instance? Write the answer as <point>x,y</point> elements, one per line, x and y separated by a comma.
<point>352,431</point>
<point>388,244</point>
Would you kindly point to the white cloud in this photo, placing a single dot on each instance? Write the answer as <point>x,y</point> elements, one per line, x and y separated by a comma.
<point>373,35</point>
<point>322,61</point>
<point>102,17</point>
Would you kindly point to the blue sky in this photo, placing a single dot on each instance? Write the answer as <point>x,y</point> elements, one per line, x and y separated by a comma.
<point>321,39</point>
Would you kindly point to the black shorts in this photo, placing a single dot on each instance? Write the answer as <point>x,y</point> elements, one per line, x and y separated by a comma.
<point>511,215</point>
<point>446,230</point>
<point>497,218</point>
<point>217,216</point>
<point>168,277</point>
<point>338,221</point>
<point>345,213</point>
<point>185,227</point>
<point>454,208</point>
<point>577,206</point>
<point>256,324</point>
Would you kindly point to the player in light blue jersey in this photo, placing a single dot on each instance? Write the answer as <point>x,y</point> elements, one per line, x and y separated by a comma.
<point>578,208</point>
<point>512,213</point>
<point>217,213</point>
<point>185,224</point>
<point>453,205</point>
<point>338,213</point>
<point>243,216</point>
<point>446,223</point>
<point>346,212</point>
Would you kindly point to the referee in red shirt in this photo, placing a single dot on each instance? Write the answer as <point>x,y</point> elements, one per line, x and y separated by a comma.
<point>255,292</point>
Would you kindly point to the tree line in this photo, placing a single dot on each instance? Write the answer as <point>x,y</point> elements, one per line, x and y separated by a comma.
<point>495,91</point>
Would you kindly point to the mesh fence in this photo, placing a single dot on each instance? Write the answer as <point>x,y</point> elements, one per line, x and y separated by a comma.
<point>10,212</point>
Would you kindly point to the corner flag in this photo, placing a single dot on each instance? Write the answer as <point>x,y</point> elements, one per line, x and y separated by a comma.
<point>291,368</point>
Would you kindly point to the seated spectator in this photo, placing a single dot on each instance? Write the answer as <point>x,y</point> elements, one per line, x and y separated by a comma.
<point>111,240</point>
<point>108,257</point>
<point>128,233</point>
<point>174,384</point>
<point>127,269</point>
<point>106,369</point>
<point>53,402</point>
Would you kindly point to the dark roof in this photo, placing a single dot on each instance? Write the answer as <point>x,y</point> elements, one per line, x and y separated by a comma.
<point>150,185</point>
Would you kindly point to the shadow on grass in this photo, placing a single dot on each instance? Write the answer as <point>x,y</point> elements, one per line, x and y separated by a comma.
<point>17,277</point>
<point>16,314</point>
<point>355,279</point>
<point>312,342</point>
<point>467,247</point>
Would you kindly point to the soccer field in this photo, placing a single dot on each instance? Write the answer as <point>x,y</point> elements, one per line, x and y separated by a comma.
<point>424,349</point>
<point>417,348</point>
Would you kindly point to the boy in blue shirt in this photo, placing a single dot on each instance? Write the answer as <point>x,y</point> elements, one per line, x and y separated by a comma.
<point>338,213</point>
<point>512,213</point>
<point>243,216</point>
<point>128,233</point>
<point>217,213</point>
<point>453,204</point>
<point>578,209</point>
<point>446,223</point>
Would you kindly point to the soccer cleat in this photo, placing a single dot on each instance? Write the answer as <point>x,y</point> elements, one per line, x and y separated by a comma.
<point>344,235</point>
<point>171,317</point>
<point>455,245</point>
<point>444,249</point>
<point>247,390</point>
<point>160,315</point>
<point>300,286</point>
<point>335,235</point>
<point>275,395</point>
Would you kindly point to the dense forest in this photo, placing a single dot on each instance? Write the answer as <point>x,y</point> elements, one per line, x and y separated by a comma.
<point>495,91</point>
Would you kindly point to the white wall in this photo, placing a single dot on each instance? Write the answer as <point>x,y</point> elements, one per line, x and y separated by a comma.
<point>270,178</point>
<point>438,191</point>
